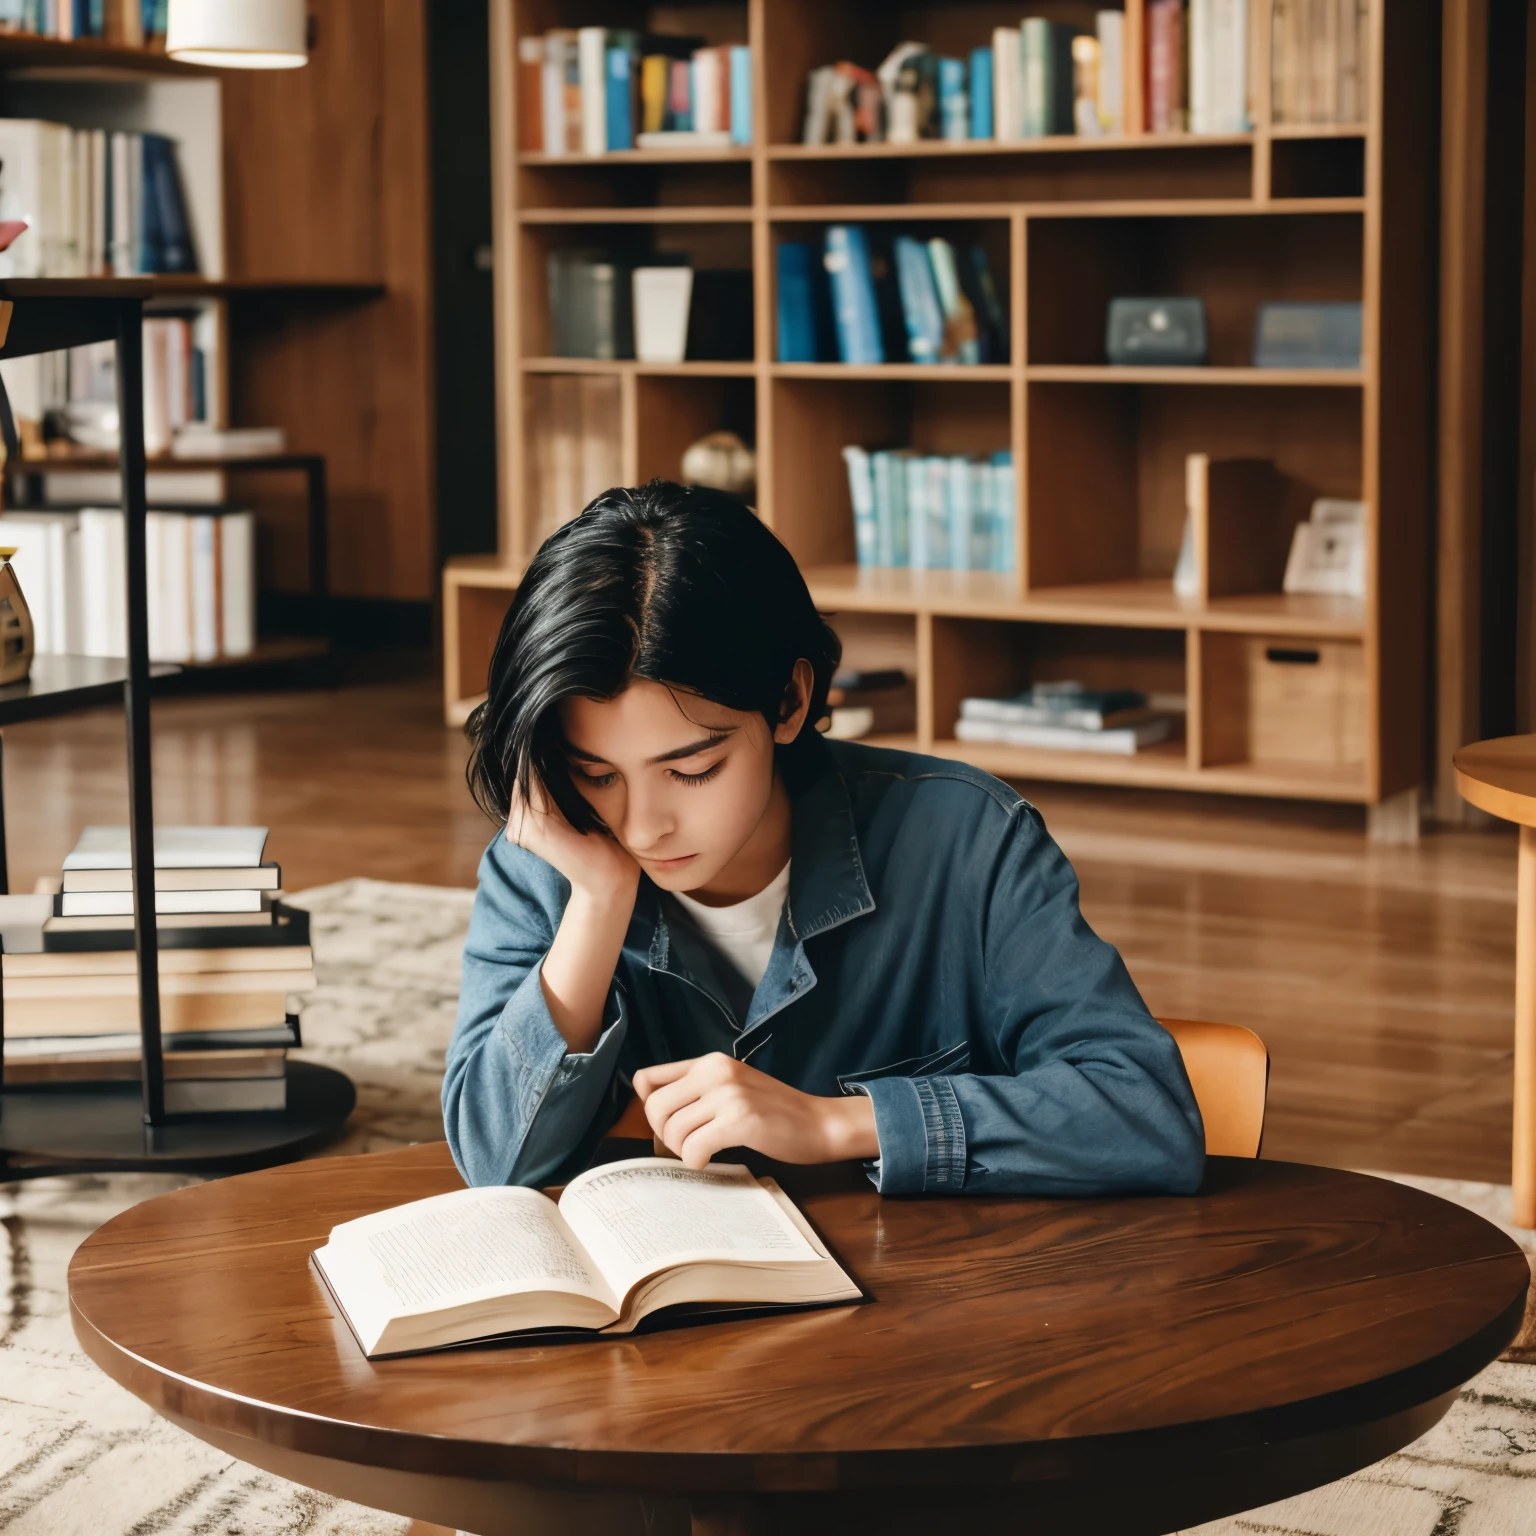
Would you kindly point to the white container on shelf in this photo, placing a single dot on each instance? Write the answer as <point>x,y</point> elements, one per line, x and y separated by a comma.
<point>662,299</point>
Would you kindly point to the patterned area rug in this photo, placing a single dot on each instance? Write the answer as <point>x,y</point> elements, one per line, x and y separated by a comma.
<point>81,1457</point>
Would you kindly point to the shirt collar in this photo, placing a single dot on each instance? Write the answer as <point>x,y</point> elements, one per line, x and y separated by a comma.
<point>827,886</point>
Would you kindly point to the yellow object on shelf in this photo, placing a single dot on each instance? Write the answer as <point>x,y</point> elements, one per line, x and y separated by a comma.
<point>16,640</point>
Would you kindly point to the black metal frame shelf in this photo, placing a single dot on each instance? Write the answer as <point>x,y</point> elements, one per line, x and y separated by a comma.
<point>102,1128</point>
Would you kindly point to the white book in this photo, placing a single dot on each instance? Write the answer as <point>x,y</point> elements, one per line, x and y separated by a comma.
<point>592,62</point>
<point>1121,741</point>
<point>22,196</point>
<point>683,138</point>
<point>100,258</point>
<point>1230,65</point>
<point>237,577</point>
<point>115,903</point>
<point>205,588</point>
<point>1202,80</point>
<point>705,80</point>
<point>157,385</point>
<point>198,440</point>
<point>135,153</point>
<point>175,592</point>
<point>1007,84</point>
<point>264,877</point>
<point>225,1096</point>
<point>106,847</point>
<point>625,1240</point>
<point>103,561</point>
<point>1110,26</point>
<point>121,245</point>
<point>552,96</point>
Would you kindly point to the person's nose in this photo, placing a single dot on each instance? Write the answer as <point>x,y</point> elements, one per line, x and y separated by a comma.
<point>648,820</point>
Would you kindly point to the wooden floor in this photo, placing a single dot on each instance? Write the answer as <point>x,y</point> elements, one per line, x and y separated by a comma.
<point>1380,977</point>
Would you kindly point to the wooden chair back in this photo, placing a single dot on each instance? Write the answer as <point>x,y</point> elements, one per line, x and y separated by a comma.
<point>1228,1068</point>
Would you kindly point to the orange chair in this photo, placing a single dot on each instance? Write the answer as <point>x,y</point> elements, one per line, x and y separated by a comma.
<point>1228,1068</point>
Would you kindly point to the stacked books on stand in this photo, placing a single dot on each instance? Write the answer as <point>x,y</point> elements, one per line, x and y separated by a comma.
<point>230,957</point>
<point>863,297</point>
<point>874,703</point>
<point>96,204</point>
<point>201,581</point>
<point>594,90</point>
<point>1067,717</point>
<point>931,512</point>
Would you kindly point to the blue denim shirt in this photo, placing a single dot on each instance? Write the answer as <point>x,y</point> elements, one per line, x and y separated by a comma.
<point>931,954</point>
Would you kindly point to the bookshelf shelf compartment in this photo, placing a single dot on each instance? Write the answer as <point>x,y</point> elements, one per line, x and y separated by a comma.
<point>620,366</point>
<point>1256,378</point>
<point>1077,266</point>
<point>623,186</point>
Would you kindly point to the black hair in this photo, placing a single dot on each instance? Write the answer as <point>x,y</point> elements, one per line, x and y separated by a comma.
<point>681,585</point>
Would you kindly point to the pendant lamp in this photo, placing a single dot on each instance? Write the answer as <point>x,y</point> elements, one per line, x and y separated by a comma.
<point>237,34</point>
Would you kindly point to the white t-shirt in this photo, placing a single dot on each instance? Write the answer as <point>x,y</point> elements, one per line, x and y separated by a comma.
<point>743,934</point>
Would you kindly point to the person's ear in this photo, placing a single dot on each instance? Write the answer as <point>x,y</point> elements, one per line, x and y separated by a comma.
<point>797,702</point>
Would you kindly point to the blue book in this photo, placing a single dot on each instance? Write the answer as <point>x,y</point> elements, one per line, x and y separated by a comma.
<point>920,306</point>
<point>957,506</point>
<point>901,516</point>
<point>978,552</point>
<point>915,470</point>
<point>881,473</point>
<point>741,95</point>
<point>861,492</point>
<point>1002,518</point>
<point>167,230</point>
<point>621,99</point>
<point>150,256</point>
<point>806,332</point>
<point>954,100</point>
<point>853,295</point>
<point>981,93</point>
<point>938,553</point>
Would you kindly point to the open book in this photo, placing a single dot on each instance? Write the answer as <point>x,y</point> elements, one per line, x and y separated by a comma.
<point>625,1240</point>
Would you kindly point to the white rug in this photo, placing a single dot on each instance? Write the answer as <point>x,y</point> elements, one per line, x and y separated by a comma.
<point>81,1457</point>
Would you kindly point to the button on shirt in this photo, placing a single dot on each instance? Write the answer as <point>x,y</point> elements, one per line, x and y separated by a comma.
<point>930,954</point>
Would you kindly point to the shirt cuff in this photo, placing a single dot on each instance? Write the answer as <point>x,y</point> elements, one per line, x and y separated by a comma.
<point>921,1134</point>
<point>537,1049</point>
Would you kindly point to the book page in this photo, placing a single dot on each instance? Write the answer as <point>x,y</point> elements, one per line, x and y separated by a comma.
<point>471,1243</point>
<point>650,1213</point>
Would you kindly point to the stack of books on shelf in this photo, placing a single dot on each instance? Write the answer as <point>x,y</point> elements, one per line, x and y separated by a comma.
<point>96,204</point>
<point>129,23</point>
<point>931,512</point>
<point>1067,717</point>
<point>230,957</point>
<point>594,90</point>
<point>873,703</point>
<point>201,581</point>
<point>871,297</point>
<point>1046,78</point>
<point>1321,61</point>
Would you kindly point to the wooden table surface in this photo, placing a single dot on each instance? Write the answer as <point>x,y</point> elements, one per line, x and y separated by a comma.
<point>1131,1364</point>
<point>1499,776</point>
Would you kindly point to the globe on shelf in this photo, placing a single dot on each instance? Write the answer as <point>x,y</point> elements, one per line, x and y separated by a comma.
<point>721,461</point>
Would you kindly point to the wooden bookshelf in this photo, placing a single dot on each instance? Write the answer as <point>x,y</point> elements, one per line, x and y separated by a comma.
<point>1301,697</point>
<point>310,203</point>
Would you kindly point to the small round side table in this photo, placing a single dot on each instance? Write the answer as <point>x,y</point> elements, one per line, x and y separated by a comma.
<point>1499,777</point>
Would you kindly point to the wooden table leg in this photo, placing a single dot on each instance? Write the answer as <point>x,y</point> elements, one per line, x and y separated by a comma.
<point>1524,1170</point>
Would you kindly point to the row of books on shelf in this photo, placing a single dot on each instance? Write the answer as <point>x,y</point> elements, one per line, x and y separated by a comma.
<point>131,23</point>
<point>96,204</point>
<point>201,581</point>
<point>931,512</point>
<point>1065,716</point>
<point>232,957</point>
<point>1190,73</point>
<point>862,296</point>
<point>594,90</point>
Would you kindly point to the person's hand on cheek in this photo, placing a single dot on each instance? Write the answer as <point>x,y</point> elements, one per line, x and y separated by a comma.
<point>700,1107</point>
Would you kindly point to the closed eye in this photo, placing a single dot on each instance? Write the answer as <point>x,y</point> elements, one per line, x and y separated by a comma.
<point>697,778</point>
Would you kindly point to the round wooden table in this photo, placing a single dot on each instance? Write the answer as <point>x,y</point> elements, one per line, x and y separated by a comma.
<point>1499,777</point>
<point>1127,1366</point>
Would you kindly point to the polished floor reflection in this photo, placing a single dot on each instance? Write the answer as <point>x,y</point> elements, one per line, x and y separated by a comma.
<point>1382,978</point>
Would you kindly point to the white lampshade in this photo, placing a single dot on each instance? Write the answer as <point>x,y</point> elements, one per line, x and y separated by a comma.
<point>237,34</point>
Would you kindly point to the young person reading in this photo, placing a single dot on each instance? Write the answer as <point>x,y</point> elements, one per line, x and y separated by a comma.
<point>819,950</point>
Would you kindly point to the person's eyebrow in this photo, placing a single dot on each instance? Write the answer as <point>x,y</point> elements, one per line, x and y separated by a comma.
<point>713,739</point>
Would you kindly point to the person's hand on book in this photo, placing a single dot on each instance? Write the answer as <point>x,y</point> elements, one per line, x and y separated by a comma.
<point>700,1107</point>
